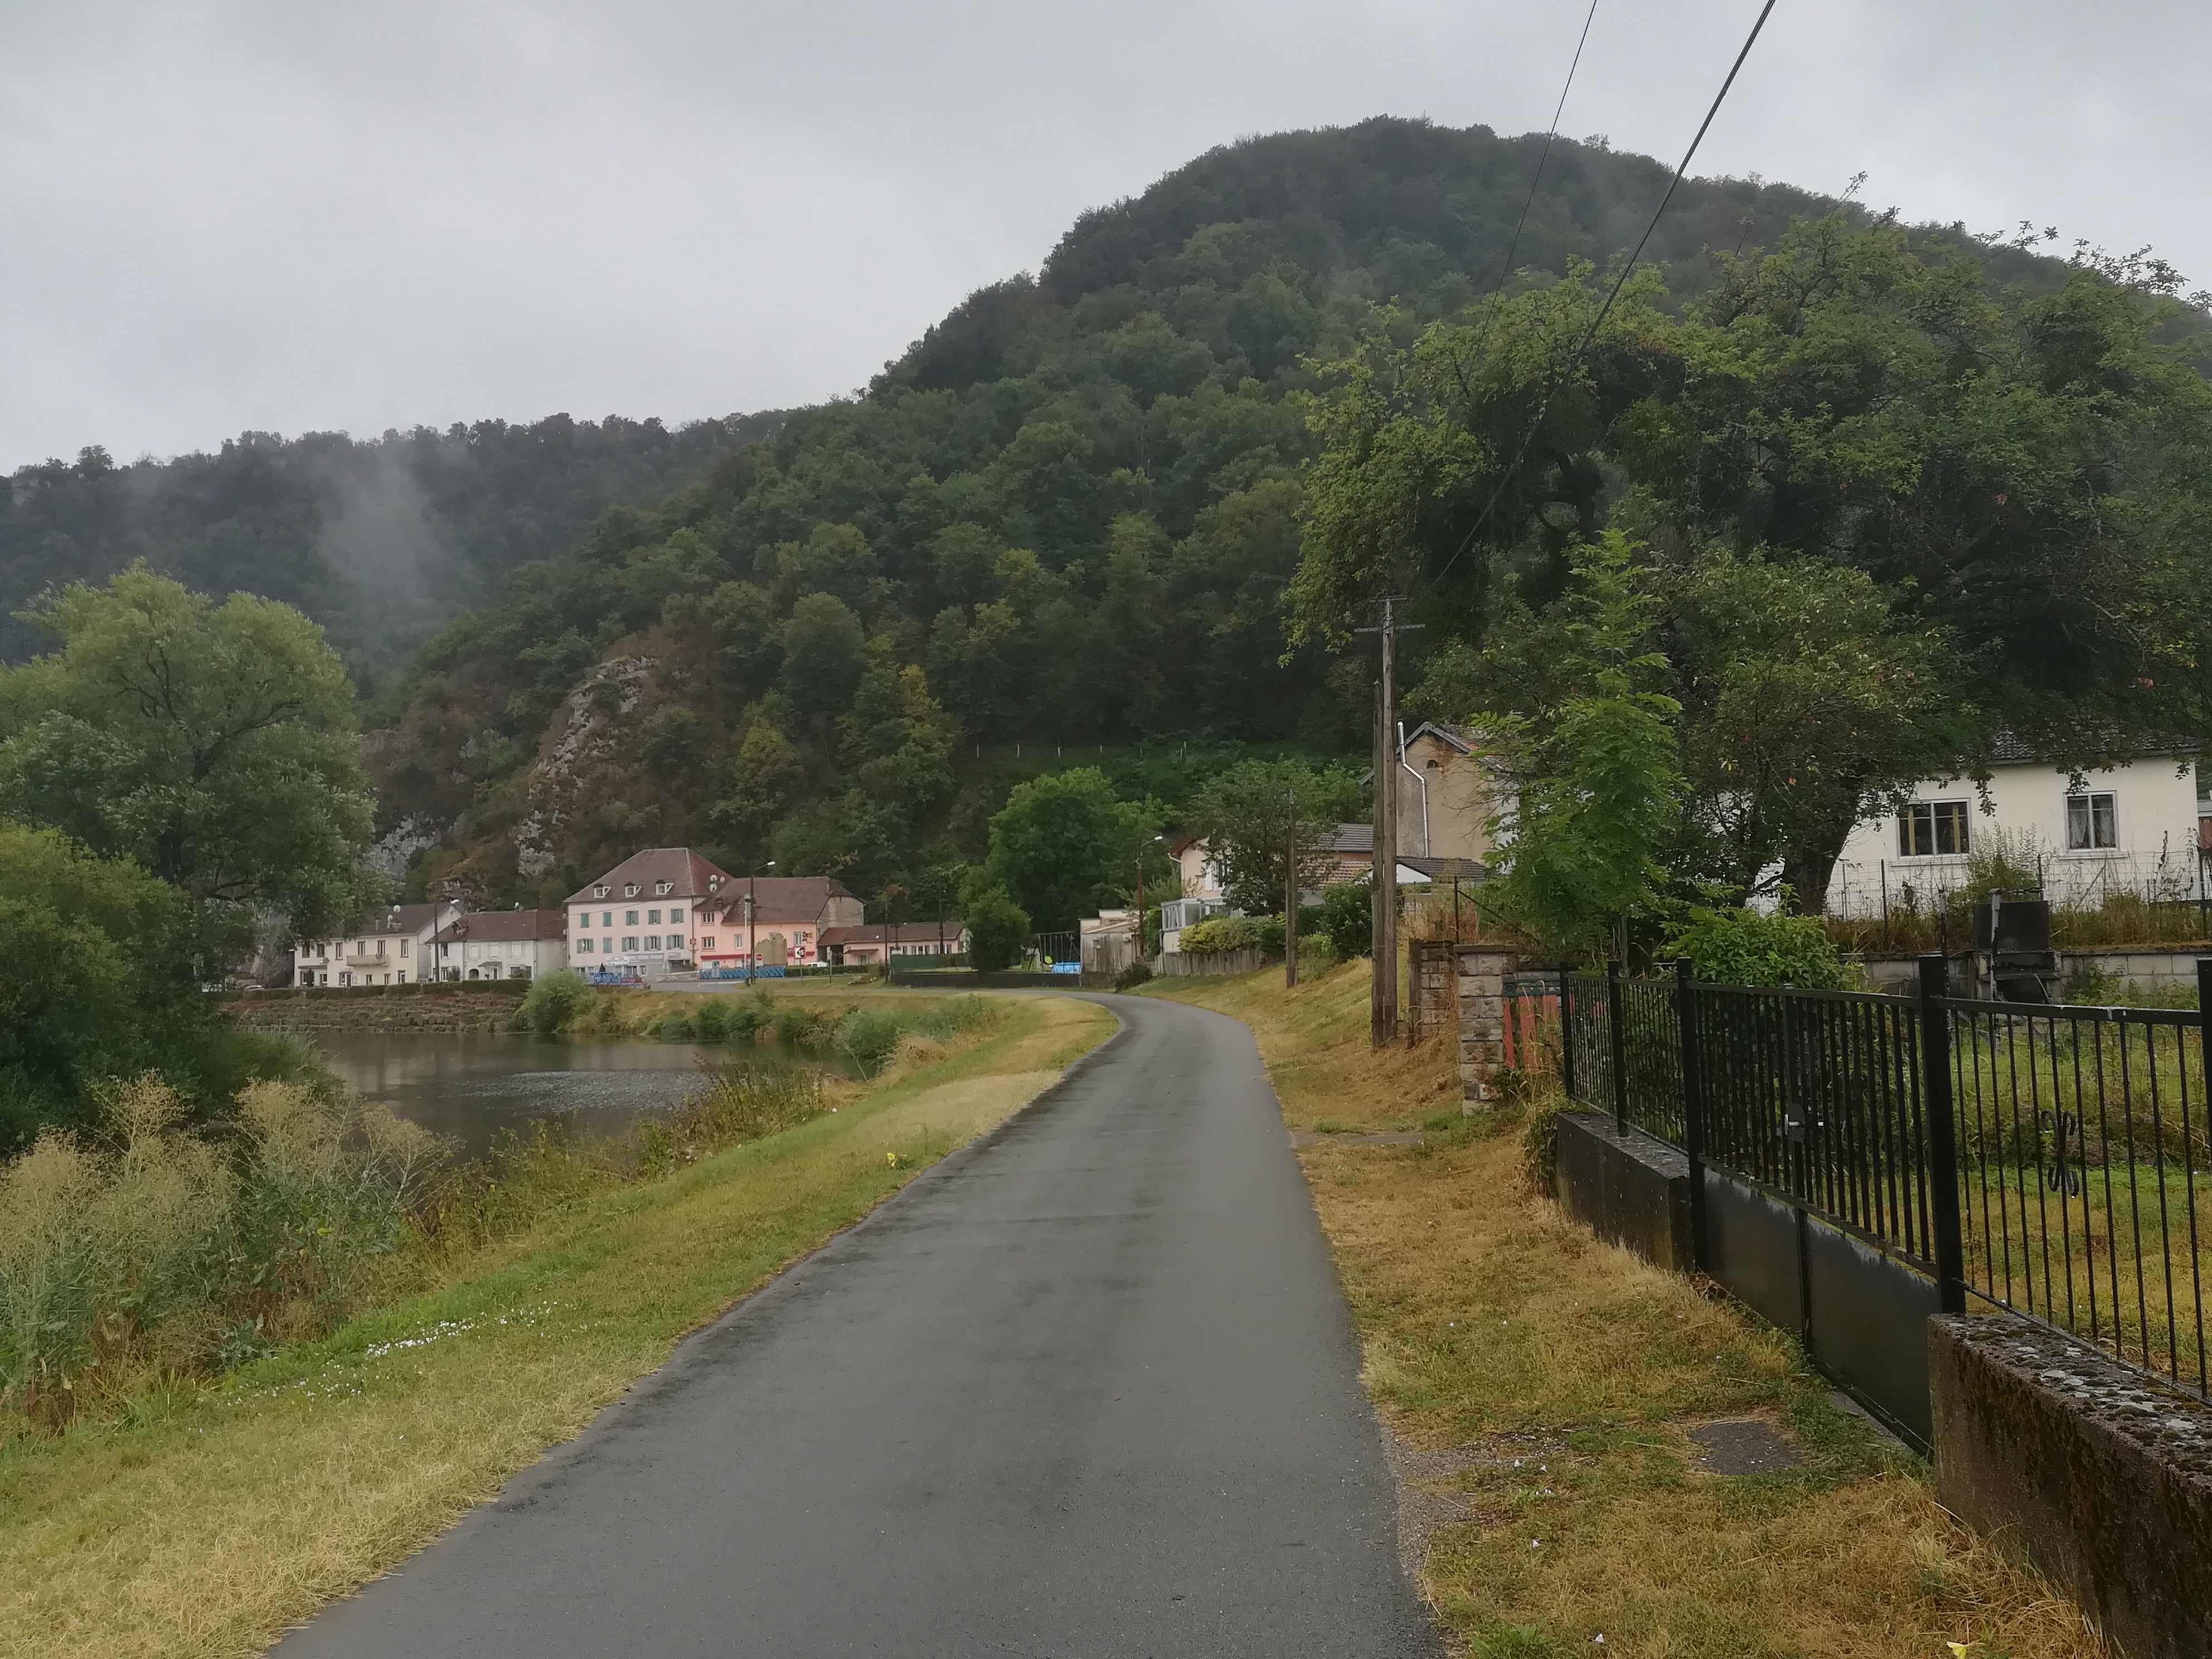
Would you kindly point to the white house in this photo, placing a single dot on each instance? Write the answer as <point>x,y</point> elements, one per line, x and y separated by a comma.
<point>390,948</point>
<point>501,944</point>
<point>2128,828</point>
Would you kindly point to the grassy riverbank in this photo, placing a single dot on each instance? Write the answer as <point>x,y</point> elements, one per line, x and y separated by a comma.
<point>200,1522</point>
<point>1545,1384</point>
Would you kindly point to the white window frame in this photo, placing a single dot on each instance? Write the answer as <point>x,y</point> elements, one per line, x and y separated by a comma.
<point>2087,800</point>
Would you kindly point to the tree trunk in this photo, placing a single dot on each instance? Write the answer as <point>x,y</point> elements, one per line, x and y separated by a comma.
<point>1807,864</point>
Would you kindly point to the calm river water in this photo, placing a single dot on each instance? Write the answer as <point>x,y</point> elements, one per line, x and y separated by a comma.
<point>472,1086</point>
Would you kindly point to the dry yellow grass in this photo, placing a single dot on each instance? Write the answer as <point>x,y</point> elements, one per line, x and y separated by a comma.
<point>1565,1373</point>
<point>201,1525</point>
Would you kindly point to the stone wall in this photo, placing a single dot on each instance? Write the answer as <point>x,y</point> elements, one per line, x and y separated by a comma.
<point>1433,988</point>
<point>2103,1479</point>
<point>1483,971</point>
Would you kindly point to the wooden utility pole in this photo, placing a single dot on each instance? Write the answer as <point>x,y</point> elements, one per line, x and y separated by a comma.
<point>1291,893</point>
<point>1382,878</point>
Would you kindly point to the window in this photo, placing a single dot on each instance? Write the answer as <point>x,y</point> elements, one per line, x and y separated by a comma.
<point>583,947</point>
<point>629,942</point>
<point>653,916</point>
<point>630,918</point>
<point>662,887</point>
<point>606,918</point>
<point>653,941</point>
<point>404,943</point>
<point>600,891</point>
<point>629,889</point>
<point>675,912</point>
<point>1927,828</point>
<point>2092,823</point>
<point>402,977</point>
<point>707,943</point>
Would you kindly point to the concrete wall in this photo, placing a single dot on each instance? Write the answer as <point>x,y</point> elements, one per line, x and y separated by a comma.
<point>2157,820</point>
<point>2103,1479</point>
<point>2145,970</point>
<point>1631,1191</point>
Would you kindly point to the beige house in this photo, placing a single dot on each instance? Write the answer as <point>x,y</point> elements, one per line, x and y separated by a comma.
<point>389,948</point>
<point>1444,797</point>
<point>864,946</point>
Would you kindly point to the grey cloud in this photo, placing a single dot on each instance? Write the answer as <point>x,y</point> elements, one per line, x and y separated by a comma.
<point>300,216</point>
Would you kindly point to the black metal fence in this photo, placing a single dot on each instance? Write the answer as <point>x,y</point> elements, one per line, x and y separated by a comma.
<point>2051,1161</point>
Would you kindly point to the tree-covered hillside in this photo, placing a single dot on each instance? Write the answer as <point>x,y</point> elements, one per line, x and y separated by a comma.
<point>379,540</point>
<point>1069,513</point>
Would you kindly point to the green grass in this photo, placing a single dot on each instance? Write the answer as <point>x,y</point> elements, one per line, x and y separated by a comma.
<point>203,1521</point>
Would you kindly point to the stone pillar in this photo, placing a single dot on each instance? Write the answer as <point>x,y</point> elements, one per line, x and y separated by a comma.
<point>1483,971</point>
<point>1435,1006</point>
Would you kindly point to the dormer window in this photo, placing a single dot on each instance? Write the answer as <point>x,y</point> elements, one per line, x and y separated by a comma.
<point>662,887</point>
<point>629,889</point>
<point>600,891</point>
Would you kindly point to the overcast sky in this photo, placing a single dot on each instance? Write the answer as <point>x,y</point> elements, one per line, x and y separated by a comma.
<point>308,215</point>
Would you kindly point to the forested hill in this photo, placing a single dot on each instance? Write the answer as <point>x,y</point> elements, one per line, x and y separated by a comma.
<point>1067,514</point>
<point>380,540</point>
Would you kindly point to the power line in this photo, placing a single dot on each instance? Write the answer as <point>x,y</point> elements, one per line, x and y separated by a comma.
<point>1513,245</point>
<point>1553,384</point>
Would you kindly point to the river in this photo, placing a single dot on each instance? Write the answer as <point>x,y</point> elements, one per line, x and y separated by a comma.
<point>471,1086</point>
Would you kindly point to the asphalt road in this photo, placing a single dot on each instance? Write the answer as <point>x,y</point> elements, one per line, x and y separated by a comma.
<point>1088,1389</point>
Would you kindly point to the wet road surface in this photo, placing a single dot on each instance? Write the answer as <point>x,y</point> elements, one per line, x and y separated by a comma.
<point>1089,1389</point>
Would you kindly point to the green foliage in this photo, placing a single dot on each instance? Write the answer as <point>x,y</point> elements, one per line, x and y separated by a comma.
<point>1598,774</point>
<point>1132,974</point>
<point>1218,935</point>
<point>997,929</point>
<point>1348,920</point>
<point>154,1248</point>
<point>213,744</point>
<point>1896,508</point>
<point>94,980</point>
<point>1064,844</point>
<point>552,1004</point>
<point>1752,947</point>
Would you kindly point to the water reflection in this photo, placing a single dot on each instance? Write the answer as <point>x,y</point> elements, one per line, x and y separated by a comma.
<point>471,1086</point>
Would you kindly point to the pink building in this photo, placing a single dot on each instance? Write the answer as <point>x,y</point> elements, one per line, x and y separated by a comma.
<point>772,922</point>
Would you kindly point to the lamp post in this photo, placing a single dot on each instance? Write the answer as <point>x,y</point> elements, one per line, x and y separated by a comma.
<point>751,911</point>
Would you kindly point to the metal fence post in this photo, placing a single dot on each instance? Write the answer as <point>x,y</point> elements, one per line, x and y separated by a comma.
<point>1693,1110</point>
<point>2204,1020</point>
<point>1567,1032</point>
<point>1950,1249</point>
<point>1615,1016</point>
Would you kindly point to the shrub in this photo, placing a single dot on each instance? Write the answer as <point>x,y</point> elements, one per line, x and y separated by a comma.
<point>1749,947</point>
<point>1136,974</point>
<point>711,1022</point>
<point>998,931</point>
<point>746,1101</point>
<point>672,1027</point>
<point>154,1247</point>
<point>868,1037</point>
<point>552,1004</point>
<point>1218,935</point>
<point>1348,922</point>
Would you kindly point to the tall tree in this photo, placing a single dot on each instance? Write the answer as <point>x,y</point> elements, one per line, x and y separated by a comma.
<point>1264,820</point>
<point>1064,843</point>
<point>213,744</point>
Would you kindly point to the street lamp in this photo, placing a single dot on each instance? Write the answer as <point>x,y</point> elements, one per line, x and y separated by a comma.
<point>751,951</point>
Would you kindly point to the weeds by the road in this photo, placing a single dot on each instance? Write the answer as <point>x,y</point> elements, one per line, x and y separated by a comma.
<point>201,1519</point>
<point>1552,1382</point>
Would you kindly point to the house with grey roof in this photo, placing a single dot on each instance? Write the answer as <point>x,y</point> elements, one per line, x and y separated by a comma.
<point>390,947</point>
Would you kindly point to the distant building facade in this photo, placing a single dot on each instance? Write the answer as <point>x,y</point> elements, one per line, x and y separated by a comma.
<point>868,945</point>
<point>491,945</point>
<point>773,923</point>
<point>388,948</point>
<point>639,918</point>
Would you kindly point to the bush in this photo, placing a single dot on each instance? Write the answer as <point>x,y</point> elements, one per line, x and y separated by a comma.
<point>1347,921</point>
<point>1749,947</point>
<point>552,1004</point>
<point>1136,974</point>
<point>1218,935</point>
<point>998,931</point>
<point>868,1037</point>
<point>746,1101</point>
<point>672,1027</point>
